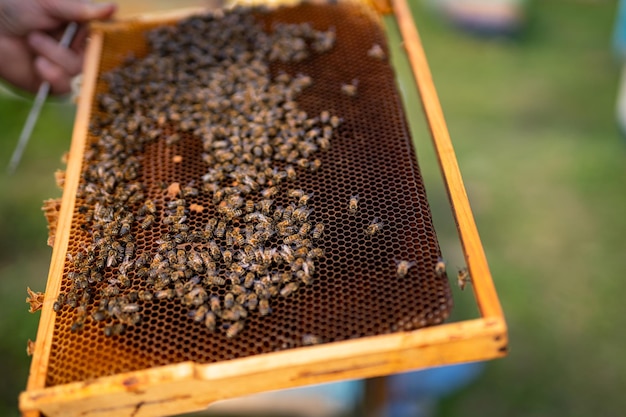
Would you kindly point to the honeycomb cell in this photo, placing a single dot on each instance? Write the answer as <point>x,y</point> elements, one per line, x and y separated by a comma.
<point>356,292</point>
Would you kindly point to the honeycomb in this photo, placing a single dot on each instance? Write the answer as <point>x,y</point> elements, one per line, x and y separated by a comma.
<point>357,291</point>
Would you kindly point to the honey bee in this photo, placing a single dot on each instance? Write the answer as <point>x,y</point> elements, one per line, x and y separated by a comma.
<point>301,214</point>
<point>289,289</point>
<point>440,268</point>
<point>324,143</point>
<point>144,295</point>
<point>273,290</point>
<point>315,164</point>
<point>264,307</point>
<point>284,228</point>
<point>147,222</point>
<point>327,133</point>
<point>229,300</point>
<point>99,315</point>
<point>142,272</point>
<point>165,245</point>
<point>227,257</point>
<point>215,250</point>
<point>269,192</point>
<point>220,229</point>
<point>237,269</point>
<point>297,264</point>
<point>265,206</point>
<point>141,260</point>
<point>324,116</point>
<point>129,251</point>
<point>278,213</point>
<point>305,229</point>
<point>304,243</point>
<point>310,339</point>
<point>291,172</point>
<point>335,121</point>
<point>353,204</point>
<point>72,299</point>
<point>230,213</point>
<point>301,252</point>
<point>249,206</point>
<point>234,329</point>
<point>318,230</point>
<point>164,294</point>
<point>305,278</point>
<point>376,52</point>
<point>249,280</point>
<point>315,253</point>
<point>324,41</point>
<point>350,89</point>
<point>125,225</point>
<point>252,301</point>
<point>195,261</point>
<point>403,268</point>
<point>291,239</point>
<point>308,267</point>
<point>112,256</point>
<point>199,314</point>
<point>239,309</point>
<point>189,191</point>
<point>123,280</point>
<point>174,204</point>
<point>303,163</point>
<point>58,304</point>
<point>130,308</point>
<point>463,277</point>
<point>288,212</point>
<point>304,199</point>
<point>196,297</point>
<point>209,320</point>
<point>210,227</point>
<point>191,284</point>
<point>231,315</point>
<point>218,195</point>
<point>114,329</point>
<point>374,227</point>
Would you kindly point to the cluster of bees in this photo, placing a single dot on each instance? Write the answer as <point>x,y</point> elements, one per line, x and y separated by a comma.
<point>208,76</point>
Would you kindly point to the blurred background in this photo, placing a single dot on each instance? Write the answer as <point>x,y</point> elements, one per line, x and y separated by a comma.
<point>530,105</point>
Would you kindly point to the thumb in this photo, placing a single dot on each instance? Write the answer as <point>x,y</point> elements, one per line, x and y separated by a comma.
<point>72,10</point>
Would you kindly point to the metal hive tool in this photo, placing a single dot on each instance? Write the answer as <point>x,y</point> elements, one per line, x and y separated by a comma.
<point>363,316</point>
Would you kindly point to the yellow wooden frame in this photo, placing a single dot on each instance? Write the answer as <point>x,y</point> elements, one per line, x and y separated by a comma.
<point>188,386</point>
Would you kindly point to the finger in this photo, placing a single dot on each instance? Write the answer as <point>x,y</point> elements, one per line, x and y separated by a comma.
<point>79,42</point>
<point>80,39</point>
<point>21,72</point>
<point>57,77</point>
<point>80,11</point>
<point>48,47</point>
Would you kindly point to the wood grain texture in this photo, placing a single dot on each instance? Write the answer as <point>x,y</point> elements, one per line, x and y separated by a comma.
<point>188,387</point>
<point>39,363</point>
<point>483,286</point>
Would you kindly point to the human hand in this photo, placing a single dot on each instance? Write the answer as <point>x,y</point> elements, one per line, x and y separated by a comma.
<point>29,41</point>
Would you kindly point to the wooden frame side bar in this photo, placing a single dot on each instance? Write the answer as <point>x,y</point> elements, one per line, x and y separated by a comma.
<point>39,364</point>
<point>484,288</point>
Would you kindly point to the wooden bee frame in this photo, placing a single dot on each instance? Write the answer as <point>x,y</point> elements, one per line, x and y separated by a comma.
<point>189,386</point>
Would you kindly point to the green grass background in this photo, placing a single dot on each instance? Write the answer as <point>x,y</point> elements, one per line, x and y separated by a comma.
<point>532,122</point>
